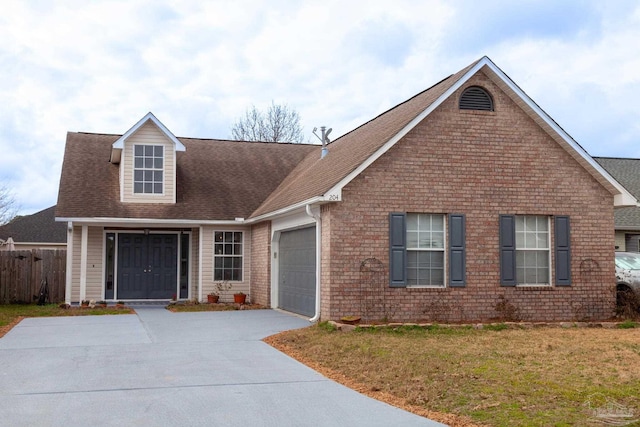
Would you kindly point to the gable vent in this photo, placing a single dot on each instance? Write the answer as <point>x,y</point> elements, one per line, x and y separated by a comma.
<point>476,98</point>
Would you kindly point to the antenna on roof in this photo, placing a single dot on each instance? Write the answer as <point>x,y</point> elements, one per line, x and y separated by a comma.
<point>324,139</point>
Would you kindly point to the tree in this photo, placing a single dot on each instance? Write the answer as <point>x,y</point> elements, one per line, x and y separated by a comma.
<point>278,124</point>
<point>8,207</point>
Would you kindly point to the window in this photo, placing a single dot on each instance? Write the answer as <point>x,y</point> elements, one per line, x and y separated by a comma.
<point>148,169</point>
<point>425,250</point>
<point>417,245</point>
<point>532,250</point>
<point>227,255</point>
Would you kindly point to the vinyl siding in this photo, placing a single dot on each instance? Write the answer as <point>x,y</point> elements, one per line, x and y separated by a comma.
<point>75,284</point>
<point>148,134</point>
<point>94,264</point>
<point>621,243</point>
<point>208,284</point>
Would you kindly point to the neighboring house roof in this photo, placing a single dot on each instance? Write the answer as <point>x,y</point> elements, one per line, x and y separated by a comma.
<point>627,172</point>
<point>350,154</point>
<point>216,179</point>
<point>41,227</point>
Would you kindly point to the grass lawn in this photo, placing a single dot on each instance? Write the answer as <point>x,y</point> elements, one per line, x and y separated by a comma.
<point>11,314</point>
<point>496,376</point>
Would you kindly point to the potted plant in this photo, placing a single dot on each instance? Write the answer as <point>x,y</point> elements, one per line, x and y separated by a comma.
<point>120,304</point>
<point>220,287</point>
<point>102,304</point>
<point>84,303</point>
<point>239,297</point>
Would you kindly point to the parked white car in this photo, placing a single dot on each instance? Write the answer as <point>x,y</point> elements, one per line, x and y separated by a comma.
<point>628,281</point>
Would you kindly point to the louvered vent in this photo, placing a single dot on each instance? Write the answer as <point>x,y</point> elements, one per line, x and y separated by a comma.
<point>476,98</point>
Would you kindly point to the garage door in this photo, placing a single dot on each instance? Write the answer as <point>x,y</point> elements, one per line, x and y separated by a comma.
<point>297,271</point>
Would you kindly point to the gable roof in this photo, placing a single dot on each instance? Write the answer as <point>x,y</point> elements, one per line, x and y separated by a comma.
<point>118,145</point>
<point>627,172</point>
<point>217,180</point>
<point>40,227</point>
<point>318,179</point>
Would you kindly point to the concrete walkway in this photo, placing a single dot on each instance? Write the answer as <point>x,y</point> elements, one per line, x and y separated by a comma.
<point>158,368</point>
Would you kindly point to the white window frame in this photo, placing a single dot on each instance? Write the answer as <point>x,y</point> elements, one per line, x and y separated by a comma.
<point>442,249</point>
<point>232,255</point>
<point>152,169</point>
<point>537,248</point>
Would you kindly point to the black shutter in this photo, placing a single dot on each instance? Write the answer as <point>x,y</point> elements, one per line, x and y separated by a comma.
<point>397,250</point>
<point>457,251</point>
<point>507,250</point>
<point>563,251</point>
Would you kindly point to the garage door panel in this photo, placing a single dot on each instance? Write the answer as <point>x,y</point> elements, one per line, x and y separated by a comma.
<point>297,271</point>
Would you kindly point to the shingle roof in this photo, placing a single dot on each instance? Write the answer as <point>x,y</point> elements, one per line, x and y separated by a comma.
<point>315,176</point>
<point>40,227</point>
<point>627,172</point>
<point>216,179</point>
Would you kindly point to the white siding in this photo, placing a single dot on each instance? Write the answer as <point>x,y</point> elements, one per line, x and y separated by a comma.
<point>75,282</point>
<point>148,134</point>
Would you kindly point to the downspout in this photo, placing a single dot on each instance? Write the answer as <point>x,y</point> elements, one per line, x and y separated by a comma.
<point>316,217</point>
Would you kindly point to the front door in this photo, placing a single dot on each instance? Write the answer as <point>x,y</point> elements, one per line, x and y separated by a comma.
<point>147,266</point>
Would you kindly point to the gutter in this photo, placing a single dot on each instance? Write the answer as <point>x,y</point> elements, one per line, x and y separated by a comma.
<point>316,217</point>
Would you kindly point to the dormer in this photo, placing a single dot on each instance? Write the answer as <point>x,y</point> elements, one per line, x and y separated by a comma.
<point>146,155</point>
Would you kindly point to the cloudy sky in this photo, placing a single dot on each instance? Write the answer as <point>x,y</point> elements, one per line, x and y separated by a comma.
<point>99,66</point>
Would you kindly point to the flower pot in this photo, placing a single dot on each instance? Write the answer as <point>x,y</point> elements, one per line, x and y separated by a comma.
<point>239,298</point>
<point>212,299</point>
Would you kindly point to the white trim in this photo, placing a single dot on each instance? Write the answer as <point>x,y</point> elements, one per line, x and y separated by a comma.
<point>200,247</point>
<point>242,257</point>
<point>548,249</point>
<point>69,275</point>
<point>119,144</point>
<point>286,210</point>
<point>164,171</point>
<point>314,212</point>
<point>83,262</point>
<point>444,250</point>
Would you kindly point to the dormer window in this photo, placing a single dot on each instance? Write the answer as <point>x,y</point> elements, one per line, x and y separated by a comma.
<point>476,98</point>
<point>148,176</point>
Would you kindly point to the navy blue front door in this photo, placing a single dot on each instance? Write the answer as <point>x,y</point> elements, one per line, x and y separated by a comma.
<point>147,266</point>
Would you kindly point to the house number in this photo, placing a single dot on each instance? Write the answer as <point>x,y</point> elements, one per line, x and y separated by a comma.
<point>333,197</point>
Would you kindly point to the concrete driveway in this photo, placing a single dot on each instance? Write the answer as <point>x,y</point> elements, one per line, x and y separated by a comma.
<point>157,368</point>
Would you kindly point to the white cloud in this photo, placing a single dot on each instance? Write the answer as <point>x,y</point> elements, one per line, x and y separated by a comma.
<point>100,66</point>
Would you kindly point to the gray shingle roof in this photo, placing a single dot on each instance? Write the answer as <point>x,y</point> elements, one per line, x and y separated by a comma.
<point>40,227</point>
<point>627,172</point>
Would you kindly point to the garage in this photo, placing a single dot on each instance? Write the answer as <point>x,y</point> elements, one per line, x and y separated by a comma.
<point>297,271</point>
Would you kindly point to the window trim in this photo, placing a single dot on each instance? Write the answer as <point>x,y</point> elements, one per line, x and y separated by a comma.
<point>241,256</point>
<point>143,169</point>
<point>548,249</point>
<point>444,250</point>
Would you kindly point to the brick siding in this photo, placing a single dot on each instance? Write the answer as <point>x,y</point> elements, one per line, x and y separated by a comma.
<point>481,164</point>
<point>260,263</point>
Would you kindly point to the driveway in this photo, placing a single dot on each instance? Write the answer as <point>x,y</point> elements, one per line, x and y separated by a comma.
<point>157,368</point>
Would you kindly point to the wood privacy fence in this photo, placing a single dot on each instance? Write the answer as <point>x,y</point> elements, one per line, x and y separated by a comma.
<point>22,274</point>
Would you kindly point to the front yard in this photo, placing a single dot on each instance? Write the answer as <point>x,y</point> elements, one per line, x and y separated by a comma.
<point>11,314</point>
<point>494,376</point>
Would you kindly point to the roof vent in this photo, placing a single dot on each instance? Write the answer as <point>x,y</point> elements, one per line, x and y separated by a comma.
<point>476,98</point>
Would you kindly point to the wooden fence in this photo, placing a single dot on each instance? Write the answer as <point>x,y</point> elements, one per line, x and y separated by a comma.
<point>22,274</point>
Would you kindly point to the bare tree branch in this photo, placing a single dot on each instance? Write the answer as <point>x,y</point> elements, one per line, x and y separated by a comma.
<point>278,124</point>
<point>8,205</point>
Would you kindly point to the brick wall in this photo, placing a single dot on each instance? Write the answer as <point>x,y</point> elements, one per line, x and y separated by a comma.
<point>481,164</point>
<point>260,263</point>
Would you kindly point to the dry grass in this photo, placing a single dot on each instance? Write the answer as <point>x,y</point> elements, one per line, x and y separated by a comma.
<point>533,377</point>
<point>11,314</point>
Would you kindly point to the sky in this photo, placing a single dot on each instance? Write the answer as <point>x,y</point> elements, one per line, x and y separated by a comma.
<point>100,66</point>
